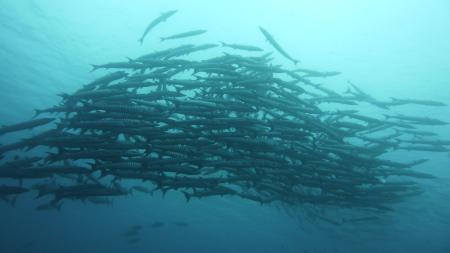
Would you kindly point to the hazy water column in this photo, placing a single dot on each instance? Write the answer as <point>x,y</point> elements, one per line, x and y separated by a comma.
<point>388,48</point>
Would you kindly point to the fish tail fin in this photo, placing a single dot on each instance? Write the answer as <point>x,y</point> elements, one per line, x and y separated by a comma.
<point>141,40</point>
<point>13,201</point>
<point>130,60</point>
<point>187,196</point>
<point>162,39</point>
<point>37,112</point>
<point>66,163</point>
<point>223,44</point>
<point>40,194</point>
<point>163,191</point>
<point>63,95</point>
<point>94,67</point>
<point>176,103</point>
<point>148,149</point>
<point>103,173</point>
<point>56,200</point>
<point>127,191</point>
<point>417,162</point>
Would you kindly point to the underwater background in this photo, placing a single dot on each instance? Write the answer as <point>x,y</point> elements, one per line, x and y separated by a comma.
<point>389,48</point>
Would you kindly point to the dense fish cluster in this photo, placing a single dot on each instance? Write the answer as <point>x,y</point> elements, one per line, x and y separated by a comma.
<point>233,124</point>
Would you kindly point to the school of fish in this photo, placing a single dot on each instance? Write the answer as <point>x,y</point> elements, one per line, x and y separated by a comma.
<point>233,124</point>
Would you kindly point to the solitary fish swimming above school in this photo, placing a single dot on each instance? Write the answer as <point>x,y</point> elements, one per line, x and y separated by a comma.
<point>163,17</point>
<point>275,44</point>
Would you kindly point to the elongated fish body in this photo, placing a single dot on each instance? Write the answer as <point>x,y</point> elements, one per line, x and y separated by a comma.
<point>314,73</point>
<point>275,44</point>
<point>184,35</point>
<point>118,65</point>
<point>164,53</point>
<point>190,50</point>
<point>363,96</point>
<point>398,101</point>
<point>105,80</point>
<point>363,219</point>
<point>241,47</point>
<point>49,206</point>
<point>9,190</point>
<point>163,17</point>
<point>25,125</point>
<point>418,120</point>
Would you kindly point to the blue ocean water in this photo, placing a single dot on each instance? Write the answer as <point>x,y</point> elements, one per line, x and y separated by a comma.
<point>389,48</point>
